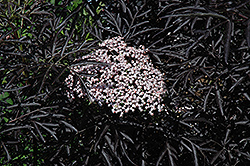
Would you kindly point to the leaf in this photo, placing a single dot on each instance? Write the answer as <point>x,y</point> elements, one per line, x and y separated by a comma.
<point>110,22</point>
<point>114,21</point>
<point>69,126</point>
<point>113,149</point>
<point>219,40</point>
<point>4,79</point>
<point>4,95</point>
<point>39,116</point>
<point>195,155</point>
<point>9,101</point>
<point>101,135</point>
<point>162,155</point>
<point>156,57</point>
<point>247,122</point>
<point>153,44</point>
<point>39,132</point>
<point>144,13</point>
<point>139,24</point>
<point>118,20</point>
<point>5,119</point>
<point>143,31</point>
<point>247,96</point>
<point>24,105</point>
<point>68,150</point>
<point>106,157</point>
<point>172,54</point>
<point>196,14</point>
<point>235,84</point>
<point>124,7</point>
<point>15,89</point>
<point>186,146</point>
<point>108,140</point>
<point>167,6</point>
<point>109,30</point>
<point>56,154</point>
<point>125,153</point>
<point>216,156</point>
<point>17,128</point>
<point>126,21</point>
<point>6,151</point>
<point>47,129</point>
<point>190,126</point>
<point>242,68</point>
<point>58,115</point>
<point>51,124</point>
<point>173,46</point>
<point>130,14</point>
<point>194,44</point>
<point>183,24</point>
<point>197,120</point>
<point>192,24</point>
<point>219,101</point>
<point>40,12</point>
<point>193,150</point>
<point>96,33</point>
<point>67,42</point>
<point>228,40</point>
<point>244,154</point>
<point>248,33</point>
<point>170,154</point>
<point>127,137</point>
<point>244,139</point>
<point>90,11</point>
<point>66,20</point>
<point>226,139</point>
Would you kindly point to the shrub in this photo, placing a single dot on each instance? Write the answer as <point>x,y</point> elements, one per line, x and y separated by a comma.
<point>201,47</point>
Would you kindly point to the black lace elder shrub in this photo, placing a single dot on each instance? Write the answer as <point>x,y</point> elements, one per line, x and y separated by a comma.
<point>192,53</point>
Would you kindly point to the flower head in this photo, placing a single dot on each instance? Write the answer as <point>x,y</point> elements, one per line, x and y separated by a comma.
<point>123,77</point>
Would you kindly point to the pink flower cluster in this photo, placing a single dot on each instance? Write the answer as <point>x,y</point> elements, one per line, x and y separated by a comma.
<point>121,76</point>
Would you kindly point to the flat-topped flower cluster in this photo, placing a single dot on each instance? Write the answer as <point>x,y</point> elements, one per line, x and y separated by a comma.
<point>121,76</point>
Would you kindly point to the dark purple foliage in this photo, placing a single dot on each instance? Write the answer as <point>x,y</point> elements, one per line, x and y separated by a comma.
<point>202,47</point>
